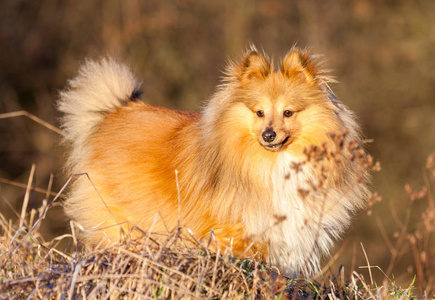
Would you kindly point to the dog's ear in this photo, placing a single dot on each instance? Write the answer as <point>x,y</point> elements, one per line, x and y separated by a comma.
<point>252,65</point>
<point>299,65</point>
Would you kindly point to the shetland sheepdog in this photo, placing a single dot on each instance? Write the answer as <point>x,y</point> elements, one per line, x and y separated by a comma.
<point>272,163</point>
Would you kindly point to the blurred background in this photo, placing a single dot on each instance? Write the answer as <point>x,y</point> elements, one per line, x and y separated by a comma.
<point>381,52</point>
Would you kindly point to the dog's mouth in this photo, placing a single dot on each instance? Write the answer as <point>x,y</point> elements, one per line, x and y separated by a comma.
<point>276,147</point>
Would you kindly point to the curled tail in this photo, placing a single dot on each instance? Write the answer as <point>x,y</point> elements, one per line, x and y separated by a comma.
<point>99,88</point>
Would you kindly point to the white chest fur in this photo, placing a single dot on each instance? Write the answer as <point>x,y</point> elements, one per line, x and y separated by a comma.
<point>308,227</point>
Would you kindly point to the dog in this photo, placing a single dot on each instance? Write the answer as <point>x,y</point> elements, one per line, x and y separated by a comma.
<point>272,163</point>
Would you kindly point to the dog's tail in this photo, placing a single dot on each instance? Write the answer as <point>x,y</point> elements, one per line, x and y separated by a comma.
<point>99,88</point>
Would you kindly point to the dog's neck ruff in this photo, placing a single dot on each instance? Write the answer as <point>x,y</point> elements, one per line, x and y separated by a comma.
<point>299,229</point>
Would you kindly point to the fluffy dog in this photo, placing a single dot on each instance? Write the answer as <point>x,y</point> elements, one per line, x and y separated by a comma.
<point>271,164</point>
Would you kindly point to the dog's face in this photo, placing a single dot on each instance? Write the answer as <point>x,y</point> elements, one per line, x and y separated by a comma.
<point>275,123</point>
<point>286,106</point>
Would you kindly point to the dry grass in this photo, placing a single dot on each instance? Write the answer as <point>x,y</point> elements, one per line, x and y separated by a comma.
<point>177,268</point>
<point>145,268</point>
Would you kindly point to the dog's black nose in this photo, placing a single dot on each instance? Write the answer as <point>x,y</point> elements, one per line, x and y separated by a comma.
<point>269,136</point>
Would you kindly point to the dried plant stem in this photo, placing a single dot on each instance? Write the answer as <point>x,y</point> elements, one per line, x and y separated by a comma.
<point>50,184</point>
<point>32,117</point>
<point>368,264</point>
<point>334,258</point>
<point>384,235</point>
<point>27,196</point>
<point>24,186</point>
<point>400,239</point>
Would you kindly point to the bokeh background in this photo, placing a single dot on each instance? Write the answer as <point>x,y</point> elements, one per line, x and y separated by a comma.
<point>381,52</point>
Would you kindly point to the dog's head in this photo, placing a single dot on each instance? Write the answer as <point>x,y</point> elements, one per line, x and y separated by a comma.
<point>286,108</point>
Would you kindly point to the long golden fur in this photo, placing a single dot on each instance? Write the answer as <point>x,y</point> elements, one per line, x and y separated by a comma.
<point>262,165</point>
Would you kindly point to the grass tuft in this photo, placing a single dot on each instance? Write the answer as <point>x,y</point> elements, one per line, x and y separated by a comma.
<point>154,268</point>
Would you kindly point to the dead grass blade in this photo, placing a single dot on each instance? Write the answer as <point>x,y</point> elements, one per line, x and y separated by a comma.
<point>24,186</point>
<point>32,117</point>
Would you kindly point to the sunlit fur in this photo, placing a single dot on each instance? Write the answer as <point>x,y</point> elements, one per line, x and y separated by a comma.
<point>274,200</point>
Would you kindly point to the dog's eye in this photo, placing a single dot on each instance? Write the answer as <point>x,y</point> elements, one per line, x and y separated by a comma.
<point>260,113</point>
<point>288,113</point>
